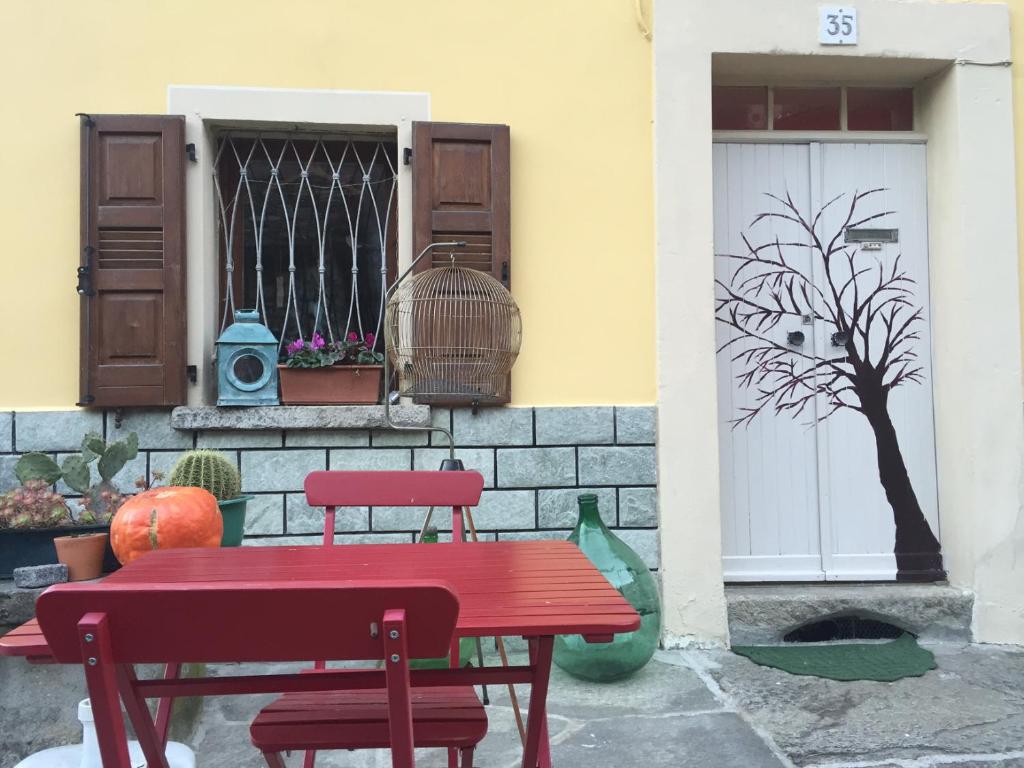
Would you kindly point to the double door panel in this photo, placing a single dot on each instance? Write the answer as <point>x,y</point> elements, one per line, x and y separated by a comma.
<point>810,239</point>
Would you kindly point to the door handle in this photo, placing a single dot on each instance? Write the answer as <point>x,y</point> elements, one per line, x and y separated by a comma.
<point>795,338</point>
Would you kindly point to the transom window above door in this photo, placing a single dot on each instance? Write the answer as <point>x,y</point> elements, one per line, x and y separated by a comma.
<point>307,230</point>
<point>827,108</point>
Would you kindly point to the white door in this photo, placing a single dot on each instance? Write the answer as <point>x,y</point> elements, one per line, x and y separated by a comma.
<point>824,363</point>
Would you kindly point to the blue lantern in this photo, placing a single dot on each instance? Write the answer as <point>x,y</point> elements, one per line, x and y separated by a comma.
<point>247,362</point>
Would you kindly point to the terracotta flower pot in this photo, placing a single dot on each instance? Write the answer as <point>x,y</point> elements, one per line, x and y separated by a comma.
<point>34,546</point>
<point>332,385</point>
<point>83,555</point>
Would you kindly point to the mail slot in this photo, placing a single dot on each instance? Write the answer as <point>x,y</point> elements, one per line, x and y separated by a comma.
<point>873,235</point>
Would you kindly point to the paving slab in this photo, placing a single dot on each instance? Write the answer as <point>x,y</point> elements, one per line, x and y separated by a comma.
<point>971,705</point>
<point>719,739</point>
<point>652,718</point>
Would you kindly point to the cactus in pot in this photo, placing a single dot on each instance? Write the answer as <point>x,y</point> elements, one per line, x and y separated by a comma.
<point>210,470</point>
<point>216,473</point>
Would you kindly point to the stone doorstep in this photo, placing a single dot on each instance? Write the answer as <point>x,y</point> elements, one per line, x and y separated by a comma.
<point>760,614</point>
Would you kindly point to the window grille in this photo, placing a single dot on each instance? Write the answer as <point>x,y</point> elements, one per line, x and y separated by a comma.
<point>308,231</point>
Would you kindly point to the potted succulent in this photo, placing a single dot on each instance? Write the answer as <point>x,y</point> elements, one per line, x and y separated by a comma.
<point>217,474</point>
<point>36,523</point>
<point>318,372</point>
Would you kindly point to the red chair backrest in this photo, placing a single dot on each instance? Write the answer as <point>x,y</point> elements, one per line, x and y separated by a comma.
<point>258,622</point>
<point>393,489</point>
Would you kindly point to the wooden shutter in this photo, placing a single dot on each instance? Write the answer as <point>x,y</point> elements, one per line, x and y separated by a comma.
<point>132,273</point>
<point>461,191</point>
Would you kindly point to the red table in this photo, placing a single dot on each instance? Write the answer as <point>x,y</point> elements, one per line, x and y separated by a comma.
<point>532,589</point>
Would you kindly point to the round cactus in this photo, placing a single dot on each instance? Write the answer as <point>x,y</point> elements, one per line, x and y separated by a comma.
<point>210,470</point>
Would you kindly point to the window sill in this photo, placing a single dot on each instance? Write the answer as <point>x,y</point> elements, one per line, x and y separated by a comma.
<point>298,417</point>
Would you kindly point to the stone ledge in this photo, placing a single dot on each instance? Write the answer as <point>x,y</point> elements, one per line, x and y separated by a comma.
<point>16,605</point>
<point>763,614</point>
<point>298,417</point>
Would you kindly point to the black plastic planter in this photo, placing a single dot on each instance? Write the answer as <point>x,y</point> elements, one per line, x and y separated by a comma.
<point>19,548</point>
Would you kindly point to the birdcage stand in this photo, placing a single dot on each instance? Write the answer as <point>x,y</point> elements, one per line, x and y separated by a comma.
<point>450,464</point>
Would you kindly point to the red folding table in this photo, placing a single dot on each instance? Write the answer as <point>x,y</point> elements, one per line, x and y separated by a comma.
<point>531,589</point>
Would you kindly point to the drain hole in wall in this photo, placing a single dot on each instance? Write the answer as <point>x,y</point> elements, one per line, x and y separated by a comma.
<point>843,628</point>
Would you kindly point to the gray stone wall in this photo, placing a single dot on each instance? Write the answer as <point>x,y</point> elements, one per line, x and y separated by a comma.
<point>535,461</point>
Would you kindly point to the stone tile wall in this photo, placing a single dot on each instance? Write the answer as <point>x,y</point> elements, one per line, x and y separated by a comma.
<point>535,461</point>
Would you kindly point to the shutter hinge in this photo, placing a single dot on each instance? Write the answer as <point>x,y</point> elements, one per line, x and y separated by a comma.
<point>406,155</point>
<point>192,373</point>
<point>85,118</point>
<point>504,273</point>
<point>84,273</point>
<point>87,400</point>
<point>190,150</point>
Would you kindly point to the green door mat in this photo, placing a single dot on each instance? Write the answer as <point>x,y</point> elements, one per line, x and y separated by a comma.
<point>883,662</point>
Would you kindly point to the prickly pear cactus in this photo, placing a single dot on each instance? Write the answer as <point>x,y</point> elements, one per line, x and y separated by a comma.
<point>210,470</point>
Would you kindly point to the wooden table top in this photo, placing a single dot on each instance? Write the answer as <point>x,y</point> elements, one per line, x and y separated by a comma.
<point>529,588</point>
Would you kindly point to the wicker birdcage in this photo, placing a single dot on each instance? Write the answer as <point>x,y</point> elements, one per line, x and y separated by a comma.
<point>452,335</point>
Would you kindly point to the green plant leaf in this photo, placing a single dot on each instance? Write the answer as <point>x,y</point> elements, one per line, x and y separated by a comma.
<point>76,473</point>
<point>113,459</point>
<point>93,446</point>
<point>132,443</point>
<point>37,466</point>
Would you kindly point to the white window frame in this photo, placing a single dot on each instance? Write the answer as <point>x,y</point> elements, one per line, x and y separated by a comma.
<point>208,107</point>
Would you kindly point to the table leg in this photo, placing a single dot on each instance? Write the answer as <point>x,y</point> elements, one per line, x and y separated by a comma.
<point>544,751</point>
<point>454,661</point>
<point>94,636</point>
<point>536,719</point>
<point>165,706</point>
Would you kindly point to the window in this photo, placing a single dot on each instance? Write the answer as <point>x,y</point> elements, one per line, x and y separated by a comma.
<point>742,108</point>
<point>880,109</point>
<point>307,230</point>
<point>834,108</point>
<point>806,109</point>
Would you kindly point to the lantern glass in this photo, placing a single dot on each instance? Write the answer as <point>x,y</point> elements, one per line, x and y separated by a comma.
<point>248,369</point>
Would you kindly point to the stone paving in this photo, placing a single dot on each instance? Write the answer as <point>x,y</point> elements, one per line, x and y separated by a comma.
<point>715,709</point>
<point>686,708</point>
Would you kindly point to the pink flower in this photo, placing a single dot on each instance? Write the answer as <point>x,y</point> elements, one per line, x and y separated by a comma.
<point>295,347</point>
<point>318,341</point>
<point>370,338</point>
<point>352,336</point>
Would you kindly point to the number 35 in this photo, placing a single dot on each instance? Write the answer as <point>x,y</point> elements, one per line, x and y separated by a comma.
<point>839,25</point>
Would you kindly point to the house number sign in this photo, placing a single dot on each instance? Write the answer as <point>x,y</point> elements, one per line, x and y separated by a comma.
<point>837,25</point>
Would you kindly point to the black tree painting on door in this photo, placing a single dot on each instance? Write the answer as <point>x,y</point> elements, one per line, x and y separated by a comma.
<point>873,321</point>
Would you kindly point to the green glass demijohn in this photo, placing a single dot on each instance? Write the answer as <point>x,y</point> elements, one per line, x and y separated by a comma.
<point>604,662</point>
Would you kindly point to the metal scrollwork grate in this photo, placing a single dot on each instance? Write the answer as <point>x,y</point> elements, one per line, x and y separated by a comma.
<point>308,231</point>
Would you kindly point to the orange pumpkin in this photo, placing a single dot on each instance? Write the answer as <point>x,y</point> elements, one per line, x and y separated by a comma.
<point>165,518</point>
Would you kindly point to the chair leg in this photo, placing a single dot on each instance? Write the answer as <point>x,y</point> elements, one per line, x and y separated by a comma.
<point>309,758</point>
<point>274,759</point>
<point>467,757</point>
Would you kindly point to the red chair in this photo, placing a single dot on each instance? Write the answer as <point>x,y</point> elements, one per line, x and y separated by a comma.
<point>115,627</point>
<point>341,723</point>
<point>332,489</point>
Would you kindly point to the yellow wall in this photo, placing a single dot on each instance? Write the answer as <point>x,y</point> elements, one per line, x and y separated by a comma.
<point>572,78</point>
